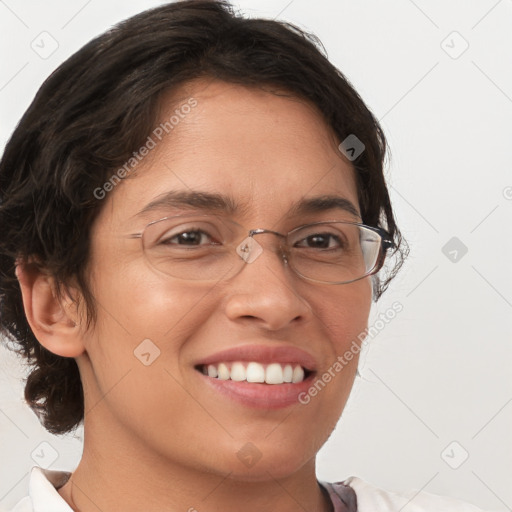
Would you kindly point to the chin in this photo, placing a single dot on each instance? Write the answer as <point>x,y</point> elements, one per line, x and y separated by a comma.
<point>260,462</point>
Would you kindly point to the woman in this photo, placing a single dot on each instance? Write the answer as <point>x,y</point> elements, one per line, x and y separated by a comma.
<point>196,217</point>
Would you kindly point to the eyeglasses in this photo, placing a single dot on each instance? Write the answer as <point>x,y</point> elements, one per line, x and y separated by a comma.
<point>210,248</point>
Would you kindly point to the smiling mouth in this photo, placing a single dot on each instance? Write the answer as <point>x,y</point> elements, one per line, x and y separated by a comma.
<point>256,373</point>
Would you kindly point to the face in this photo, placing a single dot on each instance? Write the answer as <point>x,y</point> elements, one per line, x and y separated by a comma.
<point>266,154</point>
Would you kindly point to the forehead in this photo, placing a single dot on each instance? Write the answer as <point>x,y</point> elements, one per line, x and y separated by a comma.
<point>264,151</point>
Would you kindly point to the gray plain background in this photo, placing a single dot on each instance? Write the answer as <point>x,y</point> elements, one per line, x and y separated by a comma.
<point>432,408</point>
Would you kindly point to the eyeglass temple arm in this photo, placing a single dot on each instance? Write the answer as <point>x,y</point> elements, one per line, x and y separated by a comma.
<point>387,242</point>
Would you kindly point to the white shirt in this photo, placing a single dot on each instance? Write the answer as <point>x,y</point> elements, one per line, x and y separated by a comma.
<point>43,497</point>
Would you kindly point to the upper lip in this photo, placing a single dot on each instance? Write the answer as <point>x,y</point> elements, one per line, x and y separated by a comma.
<point>263,354</point>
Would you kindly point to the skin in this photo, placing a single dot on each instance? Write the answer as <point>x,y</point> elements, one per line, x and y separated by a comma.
<point>156,438</point>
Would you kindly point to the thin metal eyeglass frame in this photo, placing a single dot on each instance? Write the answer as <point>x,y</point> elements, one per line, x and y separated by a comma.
<point>386,243</point>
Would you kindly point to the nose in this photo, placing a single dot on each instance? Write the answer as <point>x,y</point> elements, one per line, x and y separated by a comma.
<point>265,290</point>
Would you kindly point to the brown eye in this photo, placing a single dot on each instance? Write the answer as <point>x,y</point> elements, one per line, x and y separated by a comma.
<point>191,238</point>
<point>320,241</point>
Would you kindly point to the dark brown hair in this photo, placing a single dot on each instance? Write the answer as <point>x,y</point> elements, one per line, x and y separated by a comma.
<point>99,106</point>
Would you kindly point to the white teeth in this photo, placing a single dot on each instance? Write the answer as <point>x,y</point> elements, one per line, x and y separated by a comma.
<point>223,372</point>
<point>298,374</point>
<point>288,373</point>
<point>273,373</point>
<point>255,372</point>
<point>238,372</point>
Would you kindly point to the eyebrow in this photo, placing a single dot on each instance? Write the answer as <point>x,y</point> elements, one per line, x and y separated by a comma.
<point>191,200</point>
<point>324,203</point>
<point>220,203</point>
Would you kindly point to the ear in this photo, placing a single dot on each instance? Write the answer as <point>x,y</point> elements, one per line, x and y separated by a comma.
<point>52,320</point>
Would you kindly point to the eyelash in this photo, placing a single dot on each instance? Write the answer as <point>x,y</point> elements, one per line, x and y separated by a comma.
<point>167,241</point>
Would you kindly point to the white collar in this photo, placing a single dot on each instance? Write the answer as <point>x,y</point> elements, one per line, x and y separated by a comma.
<point>43,490</point>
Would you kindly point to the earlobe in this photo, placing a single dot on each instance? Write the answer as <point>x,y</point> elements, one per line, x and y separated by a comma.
<point>50,317</point>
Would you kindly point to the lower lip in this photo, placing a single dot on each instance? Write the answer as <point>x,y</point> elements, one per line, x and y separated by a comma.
<point>261,396</point>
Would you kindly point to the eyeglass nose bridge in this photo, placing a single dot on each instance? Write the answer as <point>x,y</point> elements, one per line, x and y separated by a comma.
<point>259,231</point>
<point>249,249</point>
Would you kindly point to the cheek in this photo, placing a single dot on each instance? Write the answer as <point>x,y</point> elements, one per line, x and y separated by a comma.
<point>138,313</point>
<point>345,313</point>
<point>135,348</point>
<point>135,300</point>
